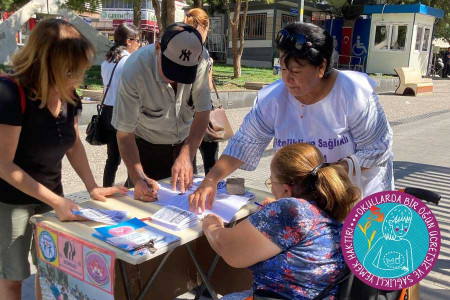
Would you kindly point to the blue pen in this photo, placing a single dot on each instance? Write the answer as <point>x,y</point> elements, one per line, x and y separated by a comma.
<point>259,204</point>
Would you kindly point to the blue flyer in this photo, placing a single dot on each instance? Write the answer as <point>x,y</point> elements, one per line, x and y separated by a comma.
<point>133,234</point>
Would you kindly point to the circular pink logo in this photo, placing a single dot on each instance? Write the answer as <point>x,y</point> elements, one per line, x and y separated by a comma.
<point>97,268</point>
<point>119,231</point>
<point>391,240</point>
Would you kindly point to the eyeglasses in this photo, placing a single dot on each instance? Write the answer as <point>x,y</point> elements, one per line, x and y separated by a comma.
<point>300,40</point>
<point>137,40</point>
<point>269,183</point>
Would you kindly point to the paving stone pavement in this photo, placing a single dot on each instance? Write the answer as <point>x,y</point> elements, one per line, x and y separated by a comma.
<point>421,141</point>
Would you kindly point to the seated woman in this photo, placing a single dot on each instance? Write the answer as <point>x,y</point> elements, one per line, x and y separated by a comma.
<point>292,245</point>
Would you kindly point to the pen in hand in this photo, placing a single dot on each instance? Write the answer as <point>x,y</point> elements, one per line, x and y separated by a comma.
<point>143,178</point>
<point>259,204</point>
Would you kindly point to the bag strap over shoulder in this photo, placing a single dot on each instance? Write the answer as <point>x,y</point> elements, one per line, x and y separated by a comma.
<point>215,90</point>
<point>354,170</point>
<point>100,107</point>
<point>23,102</point>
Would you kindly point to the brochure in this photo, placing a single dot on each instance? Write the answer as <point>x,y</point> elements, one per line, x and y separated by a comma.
<point>134,235</point>
<point>110,217</point>
<point>175,218</point>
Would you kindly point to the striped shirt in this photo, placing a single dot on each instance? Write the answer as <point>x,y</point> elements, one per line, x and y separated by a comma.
<point>349,120</point>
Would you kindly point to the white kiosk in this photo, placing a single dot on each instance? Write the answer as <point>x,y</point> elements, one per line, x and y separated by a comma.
<point>400,36</point>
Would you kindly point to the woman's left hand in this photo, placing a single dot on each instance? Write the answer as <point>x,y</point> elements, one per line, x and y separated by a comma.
<point>212,219</point>
<point>100,193</point>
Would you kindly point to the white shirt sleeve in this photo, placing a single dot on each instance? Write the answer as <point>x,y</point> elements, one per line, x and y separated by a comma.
<point>252,138</point>
<point>372,134</point>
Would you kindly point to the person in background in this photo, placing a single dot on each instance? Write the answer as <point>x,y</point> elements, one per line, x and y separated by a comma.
<point>446,58</point>
<point>293,244</point>
<point>199,19</point>
<point>337,111</point>
<point>126,41</point>
<point>40,131</point>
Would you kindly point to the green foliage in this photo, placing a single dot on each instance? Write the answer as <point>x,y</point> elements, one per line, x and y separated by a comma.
<point>223,76</point>
<point>77,5</point>
<point>9,5</point>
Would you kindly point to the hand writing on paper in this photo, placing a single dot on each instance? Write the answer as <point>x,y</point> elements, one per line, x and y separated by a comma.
<point>146,190</point>
<point>266,201</point>
<point>205,193</point>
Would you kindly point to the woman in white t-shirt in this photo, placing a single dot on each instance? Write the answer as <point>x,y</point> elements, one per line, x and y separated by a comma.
<point>337,111</point>
<point>126,41</point>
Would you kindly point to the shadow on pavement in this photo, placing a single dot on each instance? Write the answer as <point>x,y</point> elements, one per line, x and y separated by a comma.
<point>436,179</point>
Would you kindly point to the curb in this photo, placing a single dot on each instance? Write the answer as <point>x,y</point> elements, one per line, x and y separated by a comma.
<point>229,99</point>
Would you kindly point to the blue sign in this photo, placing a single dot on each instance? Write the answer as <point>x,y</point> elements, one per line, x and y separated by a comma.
<point>294,11</point>
<point>361,34</point>
<point>48,246</point>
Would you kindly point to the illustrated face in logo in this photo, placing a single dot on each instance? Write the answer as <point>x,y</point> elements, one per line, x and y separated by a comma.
<point>185,54</point>
<point>398,222</point>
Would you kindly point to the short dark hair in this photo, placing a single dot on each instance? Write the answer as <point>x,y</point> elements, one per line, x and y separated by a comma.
<point>321,45</point>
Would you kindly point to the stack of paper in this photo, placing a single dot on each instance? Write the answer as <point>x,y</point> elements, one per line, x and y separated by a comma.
<point>101,215</point>
<point>175,218</point>
<point>134,235</point>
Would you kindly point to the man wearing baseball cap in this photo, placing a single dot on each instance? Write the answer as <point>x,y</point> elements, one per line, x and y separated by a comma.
<point>162,87</point>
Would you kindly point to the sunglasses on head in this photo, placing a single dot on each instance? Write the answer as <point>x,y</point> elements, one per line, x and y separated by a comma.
<point>298,39</point>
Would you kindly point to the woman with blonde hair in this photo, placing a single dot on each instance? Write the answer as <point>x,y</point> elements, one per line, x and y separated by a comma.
<point>292,245</point>
<point>199,19</point>
<point>39,118</point>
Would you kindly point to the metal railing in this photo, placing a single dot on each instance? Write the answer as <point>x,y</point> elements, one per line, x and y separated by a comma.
<point>348,62</point>
<point>216,43</point>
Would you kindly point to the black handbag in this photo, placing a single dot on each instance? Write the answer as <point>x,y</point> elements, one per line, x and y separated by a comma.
<point>351,288</point>
<point>96,133</point>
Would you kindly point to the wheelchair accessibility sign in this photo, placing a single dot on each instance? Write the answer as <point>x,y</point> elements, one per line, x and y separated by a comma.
<point>390,240</point>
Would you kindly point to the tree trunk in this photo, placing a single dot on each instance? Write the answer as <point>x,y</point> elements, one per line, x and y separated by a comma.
<point>170,12</point>
<point>167,14</point>
<point>137,13</point>
<point>234,25</point>
<point>241,40</point>
<point>157,9</point>
<point>198,3</point>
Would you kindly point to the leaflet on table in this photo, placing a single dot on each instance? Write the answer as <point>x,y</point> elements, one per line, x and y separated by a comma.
<point>221,188</point>
<point>175,218</point>
<point>224,205</point>
<point>132,234</point>
<point>106,216</point>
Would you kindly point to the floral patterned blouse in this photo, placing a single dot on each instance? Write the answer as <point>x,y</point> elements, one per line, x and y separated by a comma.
<point>311,258</point>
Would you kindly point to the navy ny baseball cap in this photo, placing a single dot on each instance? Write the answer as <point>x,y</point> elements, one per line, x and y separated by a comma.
<point>181,49</point>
